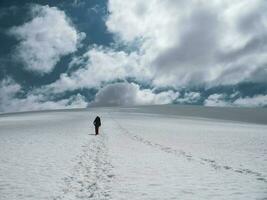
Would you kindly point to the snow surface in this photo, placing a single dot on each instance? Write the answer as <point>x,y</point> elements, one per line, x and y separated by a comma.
<point>141,153</point>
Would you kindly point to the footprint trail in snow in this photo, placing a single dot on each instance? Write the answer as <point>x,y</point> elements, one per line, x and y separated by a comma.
<point>189,157</point>
<point>92,175</point>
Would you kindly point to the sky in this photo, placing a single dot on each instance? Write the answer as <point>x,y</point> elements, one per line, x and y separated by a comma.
<point>79,53</point>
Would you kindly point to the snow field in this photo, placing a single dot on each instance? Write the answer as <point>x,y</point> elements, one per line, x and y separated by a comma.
<point>55,155</point>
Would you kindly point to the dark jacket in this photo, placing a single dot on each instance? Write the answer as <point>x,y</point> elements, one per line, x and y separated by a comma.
<point>97,121</point>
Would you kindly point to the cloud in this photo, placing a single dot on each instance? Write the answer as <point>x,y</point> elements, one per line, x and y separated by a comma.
<point>127,94</point>
<point>45,39</point>
<point>198,42</point>
<point>255,101</point>
<point>40,102</point>
<point>218,100</point>
<point>190,98</point>
<point>9,102</point>
<point>182,45</point>
<point>234,99</point>
<point>99,66</point>
<point>8,90</point>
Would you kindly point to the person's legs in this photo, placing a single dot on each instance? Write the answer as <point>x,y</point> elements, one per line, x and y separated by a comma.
<point>96,130</point>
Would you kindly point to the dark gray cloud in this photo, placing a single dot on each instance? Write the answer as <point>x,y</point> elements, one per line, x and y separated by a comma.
<point>253,21</point>
<point>196,46</point>
<point>256,45</point>
<point>197,42</point>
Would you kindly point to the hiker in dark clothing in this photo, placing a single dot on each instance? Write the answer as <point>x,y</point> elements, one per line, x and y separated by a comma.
<point>97,124</point>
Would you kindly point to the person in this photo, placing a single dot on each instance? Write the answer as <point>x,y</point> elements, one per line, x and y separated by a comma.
<point>97,123</point>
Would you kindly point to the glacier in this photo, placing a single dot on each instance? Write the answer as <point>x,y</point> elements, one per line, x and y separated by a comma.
<point>142,152</point>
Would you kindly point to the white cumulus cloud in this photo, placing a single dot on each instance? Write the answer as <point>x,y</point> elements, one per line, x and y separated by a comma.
<point>217,100</point>
<point>45,39</point>
<point>10,102</point>
<point>126,94</point>
<point>190,97</point>
<point>100,65</point>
